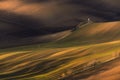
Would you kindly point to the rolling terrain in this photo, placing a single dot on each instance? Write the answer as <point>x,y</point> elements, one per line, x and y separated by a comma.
<point>91,52</point>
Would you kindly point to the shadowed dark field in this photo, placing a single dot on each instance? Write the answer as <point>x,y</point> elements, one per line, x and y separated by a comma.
<point>22,21</point>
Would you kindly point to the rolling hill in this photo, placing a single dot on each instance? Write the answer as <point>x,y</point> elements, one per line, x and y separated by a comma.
<point>95,33</point>
<point>88,53</point>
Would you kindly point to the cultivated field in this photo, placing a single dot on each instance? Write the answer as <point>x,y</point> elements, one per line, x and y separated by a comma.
<point>91,52</point>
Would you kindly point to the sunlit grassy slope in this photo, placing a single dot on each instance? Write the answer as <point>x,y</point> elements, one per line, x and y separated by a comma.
<point>81,55</point>
<point>94,33</point>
